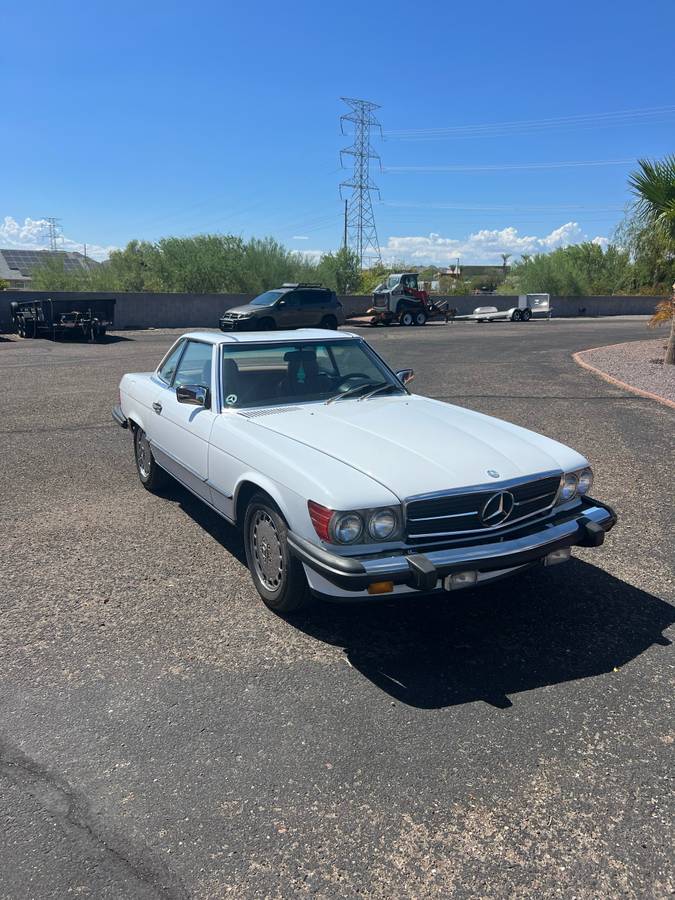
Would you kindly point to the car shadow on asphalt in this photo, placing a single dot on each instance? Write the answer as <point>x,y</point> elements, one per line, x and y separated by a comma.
<point>545,627</point>
<point>227,535</point>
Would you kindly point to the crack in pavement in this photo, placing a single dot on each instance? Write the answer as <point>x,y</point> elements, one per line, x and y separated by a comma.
<point>78,819</point>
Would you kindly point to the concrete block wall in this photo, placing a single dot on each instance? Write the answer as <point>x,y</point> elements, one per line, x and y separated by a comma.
<point>140,310</point>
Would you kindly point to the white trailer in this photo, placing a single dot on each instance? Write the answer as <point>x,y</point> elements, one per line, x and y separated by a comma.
<point>529,306</point>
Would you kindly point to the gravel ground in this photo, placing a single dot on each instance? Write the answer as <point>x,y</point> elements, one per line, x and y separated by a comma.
<point>638,364</point>
<point>162,734</point>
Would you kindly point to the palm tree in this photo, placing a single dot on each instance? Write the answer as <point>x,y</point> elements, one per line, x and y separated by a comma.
<point>654,186</point>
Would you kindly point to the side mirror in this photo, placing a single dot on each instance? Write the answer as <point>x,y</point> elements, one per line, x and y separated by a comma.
<point>405,375</point>
<point>194,395</point>
<point>281,303</point>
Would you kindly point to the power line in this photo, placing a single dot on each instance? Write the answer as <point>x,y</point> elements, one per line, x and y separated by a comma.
<point>360,223</point>
<point>501,129</point>
<point>507,167</point>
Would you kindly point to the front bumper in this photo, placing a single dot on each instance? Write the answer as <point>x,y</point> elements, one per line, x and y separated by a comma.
<point>584,526</point>
<point>249,324</point>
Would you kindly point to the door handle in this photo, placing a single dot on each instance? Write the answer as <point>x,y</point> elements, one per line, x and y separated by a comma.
<point>157,407</point>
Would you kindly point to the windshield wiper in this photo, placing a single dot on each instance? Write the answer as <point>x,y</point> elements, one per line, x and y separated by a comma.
<point>353,390</point>
<point>385,386</point>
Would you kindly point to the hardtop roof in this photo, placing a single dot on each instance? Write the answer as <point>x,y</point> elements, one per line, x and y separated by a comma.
<point>268,337</point>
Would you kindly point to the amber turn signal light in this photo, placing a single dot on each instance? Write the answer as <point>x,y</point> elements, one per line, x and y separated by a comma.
<point>381,587</point>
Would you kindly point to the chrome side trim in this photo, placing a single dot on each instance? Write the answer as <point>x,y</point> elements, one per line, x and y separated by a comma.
<point>177,462</point>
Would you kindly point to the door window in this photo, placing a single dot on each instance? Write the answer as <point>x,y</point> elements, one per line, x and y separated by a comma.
<point>309,299</point>
<point>167,369</point>
<point>195,365</point>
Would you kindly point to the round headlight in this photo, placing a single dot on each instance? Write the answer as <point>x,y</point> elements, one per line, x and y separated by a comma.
<point>568,487</point>
<point>382,524</point>
<point>585,481</point>
<point>347,527</point>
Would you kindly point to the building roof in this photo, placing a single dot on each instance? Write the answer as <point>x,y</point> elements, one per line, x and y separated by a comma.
<point>19,265</point>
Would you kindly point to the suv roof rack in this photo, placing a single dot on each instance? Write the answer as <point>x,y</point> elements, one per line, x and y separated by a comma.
<point>302,284</point>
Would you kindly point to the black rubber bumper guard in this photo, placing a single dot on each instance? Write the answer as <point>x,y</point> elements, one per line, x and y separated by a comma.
<point>119,417</point>
<point>350,574</point>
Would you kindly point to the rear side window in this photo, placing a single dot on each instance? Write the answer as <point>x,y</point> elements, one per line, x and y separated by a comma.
<point>195,365</point>
<point>167,369</point>
<point>312,298</point>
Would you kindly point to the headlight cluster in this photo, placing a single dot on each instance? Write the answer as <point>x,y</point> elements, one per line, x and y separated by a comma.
<point>355,526</point>
<point>575,484</point>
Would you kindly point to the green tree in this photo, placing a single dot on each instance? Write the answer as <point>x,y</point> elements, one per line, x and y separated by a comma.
<point>576,271</point>
<point>340,271</point>
<point>3,284</point>
<point>654,187</point>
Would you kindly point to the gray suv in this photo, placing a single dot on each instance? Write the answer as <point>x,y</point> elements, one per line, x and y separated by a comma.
<point>290,306</point>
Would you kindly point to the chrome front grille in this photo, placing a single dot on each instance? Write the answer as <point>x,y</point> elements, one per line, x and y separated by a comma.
<point>457,513</point>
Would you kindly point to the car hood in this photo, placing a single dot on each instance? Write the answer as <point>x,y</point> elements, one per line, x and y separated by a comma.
<point>247,308</point>
<point>414,445</point>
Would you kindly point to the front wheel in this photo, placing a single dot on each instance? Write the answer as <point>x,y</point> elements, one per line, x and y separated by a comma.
<point>152,477</point>
<point>407,318</point>
<point>516,315</point>
<point>278,577</point>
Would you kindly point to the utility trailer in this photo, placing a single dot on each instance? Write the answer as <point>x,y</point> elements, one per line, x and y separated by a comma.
<point>86,319</point>
<point>530,306</point>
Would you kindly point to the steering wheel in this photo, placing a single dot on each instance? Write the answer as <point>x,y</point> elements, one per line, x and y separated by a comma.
<point>343,384</point>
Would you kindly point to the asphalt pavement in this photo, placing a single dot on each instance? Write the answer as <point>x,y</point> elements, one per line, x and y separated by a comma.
<point>162,734</point>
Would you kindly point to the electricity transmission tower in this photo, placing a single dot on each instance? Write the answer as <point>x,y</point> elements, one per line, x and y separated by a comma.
<point>54,226</point>
<point>360,230</point>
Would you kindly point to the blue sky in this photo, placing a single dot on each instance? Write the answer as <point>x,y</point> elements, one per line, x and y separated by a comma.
<point>145,119</point>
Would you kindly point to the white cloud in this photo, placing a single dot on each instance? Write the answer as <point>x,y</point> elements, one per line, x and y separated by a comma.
<point>300,237</point>
<point>33,234</point>
<point>313,256</point>
<point>484,246</point>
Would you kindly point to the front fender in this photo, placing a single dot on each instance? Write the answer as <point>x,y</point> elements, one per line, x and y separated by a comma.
<point>292,506</point>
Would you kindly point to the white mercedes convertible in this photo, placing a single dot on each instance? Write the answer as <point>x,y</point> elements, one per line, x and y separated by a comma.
<point>344,484</point>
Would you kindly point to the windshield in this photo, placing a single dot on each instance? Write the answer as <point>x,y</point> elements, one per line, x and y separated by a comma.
<point>266,299</point>
<point>300,372</point>
<point>392,281</point>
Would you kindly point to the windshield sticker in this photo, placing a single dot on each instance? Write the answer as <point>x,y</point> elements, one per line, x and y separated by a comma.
<point>231,399</point>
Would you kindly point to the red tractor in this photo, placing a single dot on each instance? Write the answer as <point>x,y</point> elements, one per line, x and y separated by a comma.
<point>400,299</point>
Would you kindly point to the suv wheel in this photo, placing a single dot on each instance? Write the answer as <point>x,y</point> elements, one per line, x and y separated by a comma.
<point>278,577</point>
<point>329,322</point>
<point>267,324</point>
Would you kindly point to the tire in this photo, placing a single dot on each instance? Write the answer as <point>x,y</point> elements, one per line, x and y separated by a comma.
<point>406,318</point>
<point>329,322</point>
<point>267,324</point>
<point>516,315</point>
<point>420,318</point>
<point>278,577</point>
<point>527,315</point>
<point>152,477</point>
